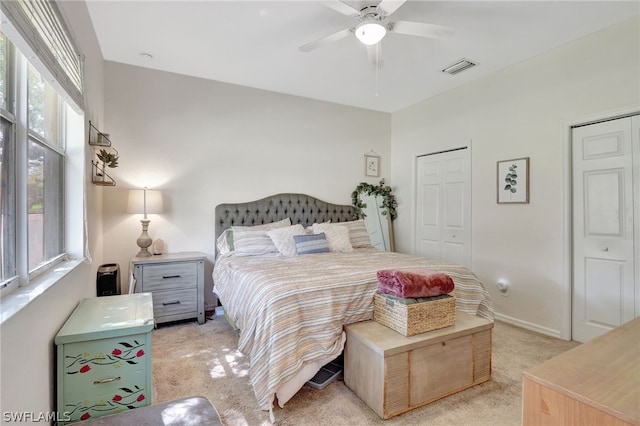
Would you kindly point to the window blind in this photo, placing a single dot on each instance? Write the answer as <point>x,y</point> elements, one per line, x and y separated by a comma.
<point>42,27</point>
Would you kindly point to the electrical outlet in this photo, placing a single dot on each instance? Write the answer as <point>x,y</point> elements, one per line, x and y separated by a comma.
<point>503,286</point>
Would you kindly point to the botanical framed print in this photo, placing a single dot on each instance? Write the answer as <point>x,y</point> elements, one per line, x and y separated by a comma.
<point>513,181</point>
<point>371,165</point>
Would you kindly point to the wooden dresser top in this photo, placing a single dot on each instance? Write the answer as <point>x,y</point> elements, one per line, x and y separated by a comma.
<point>603,373</point>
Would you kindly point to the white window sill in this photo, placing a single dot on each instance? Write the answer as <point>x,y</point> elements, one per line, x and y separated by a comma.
<point>18,299</point>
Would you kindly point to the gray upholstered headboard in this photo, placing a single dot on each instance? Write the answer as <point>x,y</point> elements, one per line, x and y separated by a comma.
<point>303,209</point>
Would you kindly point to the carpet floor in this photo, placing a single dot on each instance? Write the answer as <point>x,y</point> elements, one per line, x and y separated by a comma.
<point>203,360</point>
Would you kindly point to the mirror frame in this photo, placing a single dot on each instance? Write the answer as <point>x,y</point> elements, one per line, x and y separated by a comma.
<point>389,204</point>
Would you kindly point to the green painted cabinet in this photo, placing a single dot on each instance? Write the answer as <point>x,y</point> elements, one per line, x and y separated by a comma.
<point>104,357</point>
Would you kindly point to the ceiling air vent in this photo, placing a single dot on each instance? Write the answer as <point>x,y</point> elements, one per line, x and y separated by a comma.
<point>461,65</point>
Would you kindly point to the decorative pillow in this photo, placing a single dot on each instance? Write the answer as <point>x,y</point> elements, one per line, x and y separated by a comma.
<point>358,234</point>
<point>311,243</point>
<point>282,238</point>
<point>265,226</point>
<point>222,243</point>
<point>249,242</point>
<point>337,236</point>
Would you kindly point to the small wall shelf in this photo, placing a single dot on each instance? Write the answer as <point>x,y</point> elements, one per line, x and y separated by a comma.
<point>97,138</point>
<point>101,143</point>
<point>99,176</point>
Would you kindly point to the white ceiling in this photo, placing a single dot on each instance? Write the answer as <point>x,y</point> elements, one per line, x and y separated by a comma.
<point>255,43</point>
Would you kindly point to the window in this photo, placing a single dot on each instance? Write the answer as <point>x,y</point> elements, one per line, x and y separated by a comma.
<point>32,160</point>
<point>45,154</point>
<point>7,170</point>
<point>7,202</point>
<point>3,73</point>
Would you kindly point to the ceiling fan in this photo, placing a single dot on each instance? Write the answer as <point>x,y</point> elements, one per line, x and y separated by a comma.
<point>373,24</point>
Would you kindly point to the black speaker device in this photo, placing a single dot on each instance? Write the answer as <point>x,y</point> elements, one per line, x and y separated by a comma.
<point>108,280</point>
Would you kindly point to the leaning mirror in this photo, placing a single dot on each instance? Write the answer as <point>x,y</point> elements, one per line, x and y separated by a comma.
<point>377,206</point>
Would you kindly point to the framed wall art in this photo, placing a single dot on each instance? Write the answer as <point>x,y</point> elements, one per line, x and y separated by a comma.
<point>371,165</point>
<point>513,181</point>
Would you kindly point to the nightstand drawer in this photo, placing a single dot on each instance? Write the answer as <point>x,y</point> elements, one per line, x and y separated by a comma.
<point>165,276</point>
<point>171,302</point>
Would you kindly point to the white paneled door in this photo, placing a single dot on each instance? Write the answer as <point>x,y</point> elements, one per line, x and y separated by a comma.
<point>443,209</point>
<point>605,243</point>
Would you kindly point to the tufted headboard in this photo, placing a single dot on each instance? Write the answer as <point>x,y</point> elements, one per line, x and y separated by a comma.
<point>303,209</point>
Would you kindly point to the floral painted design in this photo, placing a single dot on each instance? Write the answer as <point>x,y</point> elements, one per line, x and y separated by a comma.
<point>127,398</point>
<point>125,352</point>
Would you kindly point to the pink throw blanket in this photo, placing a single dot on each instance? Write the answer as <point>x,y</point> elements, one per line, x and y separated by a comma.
<point>414,283</point>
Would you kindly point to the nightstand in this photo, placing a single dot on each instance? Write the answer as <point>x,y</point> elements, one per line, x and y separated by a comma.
<point>176,282</point>
<point>104,357</point>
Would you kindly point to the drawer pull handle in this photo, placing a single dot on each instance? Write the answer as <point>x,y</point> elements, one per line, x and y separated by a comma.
<point>100,382</point>
<point>176,302</point>
<point>165,277</point>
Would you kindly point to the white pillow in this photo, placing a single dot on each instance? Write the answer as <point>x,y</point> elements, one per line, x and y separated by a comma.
<point>249,242</point>
<point>263,227</point>
<point>337,236</point>
<point>358,233</point>
<point>222,243</point>
<point>282,238</point>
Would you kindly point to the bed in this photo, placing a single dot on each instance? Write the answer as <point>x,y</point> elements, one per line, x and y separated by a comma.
<point>290,308</point>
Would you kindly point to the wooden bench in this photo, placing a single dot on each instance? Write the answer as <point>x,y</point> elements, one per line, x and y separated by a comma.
<point>393,374</point>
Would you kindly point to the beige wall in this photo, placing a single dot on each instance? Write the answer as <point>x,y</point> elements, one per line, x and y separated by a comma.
<point>27,338</point>
<point>204,143</point>
<point>522,111</point>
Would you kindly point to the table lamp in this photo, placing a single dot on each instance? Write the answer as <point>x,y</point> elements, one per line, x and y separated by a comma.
<point>147,202</point>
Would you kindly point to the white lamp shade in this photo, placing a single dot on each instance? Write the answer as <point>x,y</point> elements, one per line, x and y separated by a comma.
<point>370,33</point>
<point>137,203</point>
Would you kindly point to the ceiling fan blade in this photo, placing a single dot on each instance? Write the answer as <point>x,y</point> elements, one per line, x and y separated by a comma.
<point>374,53</point>
<point>421,29</point>
<point>326,40</point>
<point>390,6</point>
<point>343,8</point>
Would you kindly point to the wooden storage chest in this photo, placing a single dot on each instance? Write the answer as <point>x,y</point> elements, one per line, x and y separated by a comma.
<point>393,374</point>
<point>104,357</point>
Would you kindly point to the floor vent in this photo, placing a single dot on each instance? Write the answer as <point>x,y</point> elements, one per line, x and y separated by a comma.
<point>461,65</point>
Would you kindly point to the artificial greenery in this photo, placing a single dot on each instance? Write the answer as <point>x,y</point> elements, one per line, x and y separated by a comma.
<point>108,159</point>
<point>389,203</point>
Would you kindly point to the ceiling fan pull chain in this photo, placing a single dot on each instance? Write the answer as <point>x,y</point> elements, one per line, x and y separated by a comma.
<point>377,68</point>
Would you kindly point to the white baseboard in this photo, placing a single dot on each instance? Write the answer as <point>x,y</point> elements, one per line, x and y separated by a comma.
<point>529,326</point>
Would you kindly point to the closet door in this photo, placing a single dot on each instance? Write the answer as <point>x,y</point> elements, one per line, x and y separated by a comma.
<point>604,265</point>
<point>443,215</point>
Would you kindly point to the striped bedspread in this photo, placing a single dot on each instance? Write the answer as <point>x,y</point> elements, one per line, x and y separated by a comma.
<point>291,310</point>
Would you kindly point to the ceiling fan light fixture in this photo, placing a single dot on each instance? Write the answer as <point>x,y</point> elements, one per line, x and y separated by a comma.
<point>370,33</point>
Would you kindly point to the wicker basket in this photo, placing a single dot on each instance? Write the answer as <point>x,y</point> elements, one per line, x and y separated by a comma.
<point>414,318</point>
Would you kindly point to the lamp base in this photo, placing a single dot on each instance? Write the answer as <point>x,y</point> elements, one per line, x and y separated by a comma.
<point>144,240</point>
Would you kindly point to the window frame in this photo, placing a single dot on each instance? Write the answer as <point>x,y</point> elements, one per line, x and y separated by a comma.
<point>17,85</point>
<point>7,114</point>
